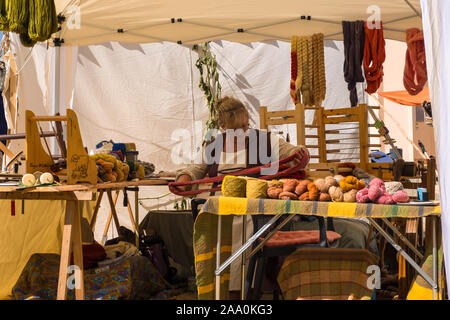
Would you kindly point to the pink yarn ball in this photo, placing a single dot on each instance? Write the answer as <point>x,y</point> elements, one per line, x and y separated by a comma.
<point>386,198</point>
<point>363,196</point>
<point>400,196</point>
<point>377,183</point>
<point>374,193</point>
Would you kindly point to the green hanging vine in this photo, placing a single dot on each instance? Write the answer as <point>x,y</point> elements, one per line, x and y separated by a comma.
<point>209,84</point>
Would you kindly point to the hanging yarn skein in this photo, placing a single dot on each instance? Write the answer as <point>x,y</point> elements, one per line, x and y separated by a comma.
<point>18,14</point>
<point>415,72</point>
<point>374,57</point>
<point>4,25</point>
<point>308,79</point>
<point>354,51</point>
<point>43,20</point>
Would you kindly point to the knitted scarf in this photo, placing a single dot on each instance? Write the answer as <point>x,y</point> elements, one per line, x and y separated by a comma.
<point>415,73</point>
<point>374,56</point>
<point>354,51</point>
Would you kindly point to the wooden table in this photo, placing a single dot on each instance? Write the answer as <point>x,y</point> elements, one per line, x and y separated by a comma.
<point>71,240</point>
<point>214,223</point>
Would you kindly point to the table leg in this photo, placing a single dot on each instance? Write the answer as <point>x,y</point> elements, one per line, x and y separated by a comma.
<point>72,222</point>
<point>97,207</point>
<point>219,237</point>
<point>434,257</point>
<point>411,261</point>
<point>136,213</point>
<point>113,206</point>
<point>78,252</point>
<point>244,236</point>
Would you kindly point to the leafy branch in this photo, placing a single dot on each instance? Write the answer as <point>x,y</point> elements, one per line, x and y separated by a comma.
<point>209,84</point>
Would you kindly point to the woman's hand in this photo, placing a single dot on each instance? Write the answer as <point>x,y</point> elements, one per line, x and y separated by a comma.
<point>302,157</point>
<point>184,178</point>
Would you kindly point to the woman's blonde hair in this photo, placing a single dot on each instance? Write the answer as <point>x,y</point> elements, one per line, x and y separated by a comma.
<point>230,112</point>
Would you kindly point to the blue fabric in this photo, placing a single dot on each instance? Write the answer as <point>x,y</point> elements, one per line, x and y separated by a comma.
<point>383,159</point>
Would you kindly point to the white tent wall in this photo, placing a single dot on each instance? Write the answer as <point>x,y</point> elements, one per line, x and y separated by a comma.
<point>436,27</point>
<point>146,93</point>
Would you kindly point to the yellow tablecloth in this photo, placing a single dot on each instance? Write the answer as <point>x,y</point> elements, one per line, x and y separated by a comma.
<point>38,230</point>
<point>205,228</point>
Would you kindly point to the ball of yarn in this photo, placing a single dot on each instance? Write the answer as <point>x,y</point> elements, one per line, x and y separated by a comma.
<point>321,185</point>
<point>386,198</point>
<point>286,195</point>
<point>362,196</point>
<point>374,193</point>
<point>304,196</point>
<point>275,183</point>
<point>350,196</point>
<point>256,189</point>
<point>393,186</point>
<point>336,194</point>
<point>324,197</point>
<point>330,181</point>
<point>234,186</point>
<point>377,182</point>
<point>400,196</point>
<point>350,182</point>
<point>338,177</point>
<point>289,185</point>
<point>313,191</point>
<point>302,187</point>
<point>274,192</point>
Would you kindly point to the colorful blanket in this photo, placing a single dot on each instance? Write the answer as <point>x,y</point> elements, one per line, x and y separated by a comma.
<point>134,278</point>
<point>326,273</point>
<point>205,228</point>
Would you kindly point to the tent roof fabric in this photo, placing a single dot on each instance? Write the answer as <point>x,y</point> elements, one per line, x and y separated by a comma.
<point>190,22</point>
<point>404,98</point>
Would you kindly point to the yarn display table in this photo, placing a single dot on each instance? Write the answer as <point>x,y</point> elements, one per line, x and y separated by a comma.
<point>212,232</point>
<point>71,238</point>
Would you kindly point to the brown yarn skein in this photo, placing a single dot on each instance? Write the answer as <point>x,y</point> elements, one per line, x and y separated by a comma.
<point>313,191</point>
<point>290,185</point>
<point>286,195</point>
<point>324,197</point>
<point>336,194</point>
<point>304,196</point>
<point>350,196</point>
<point>274,192</point>
<point>302,187</point>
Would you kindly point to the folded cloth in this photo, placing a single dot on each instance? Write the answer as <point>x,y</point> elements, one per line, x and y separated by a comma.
<point>92,254</point>
<point>285,238</point>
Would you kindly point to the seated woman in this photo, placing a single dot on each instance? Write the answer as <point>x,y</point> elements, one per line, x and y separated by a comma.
<point>232,115</point>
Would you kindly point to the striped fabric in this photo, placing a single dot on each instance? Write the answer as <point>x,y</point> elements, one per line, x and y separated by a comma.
<point>205,228</point>
<point>326,273</point>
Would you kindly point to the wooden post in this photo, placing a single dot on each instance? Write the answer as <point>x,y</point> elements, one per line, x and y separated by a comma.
<point>78,252</point>
<point>431,178</point>
<point>363,137</point>
<point>300,121</point>
<point>321,136</point>
<point>263,117</point>
<point>71,240</point>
